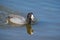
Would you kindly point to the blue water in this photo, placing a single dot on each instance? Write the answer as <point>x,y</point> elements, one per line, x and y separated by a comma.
<point>47,13</point>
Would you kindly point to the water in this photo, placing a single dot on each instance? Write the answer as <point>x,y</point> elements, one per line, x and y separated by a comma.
<point>47,13</point>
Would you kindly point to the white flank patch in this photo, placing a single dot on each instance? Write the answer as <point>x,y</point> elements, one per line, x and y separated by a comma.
<point>17,20</point>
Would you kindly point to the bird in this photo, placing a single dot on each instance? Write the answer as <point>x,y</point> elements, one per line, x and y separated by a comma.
<point>20,20</point>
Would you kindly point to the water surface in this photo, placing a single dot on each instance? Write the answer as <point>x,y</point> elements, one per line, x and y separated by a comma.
<point>47,13</point>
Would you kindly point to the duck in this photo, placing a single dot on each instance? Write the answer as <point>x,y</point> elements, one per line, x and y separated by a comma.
<point>20,20</point>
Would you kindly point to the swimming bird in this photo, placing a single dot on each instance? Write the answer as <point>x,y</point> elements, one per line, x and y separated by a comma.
<point>20,20</point>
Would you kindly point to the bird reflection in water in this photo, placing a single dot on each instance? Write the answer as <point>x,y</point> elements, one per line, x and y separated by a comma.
<point>29,29</point>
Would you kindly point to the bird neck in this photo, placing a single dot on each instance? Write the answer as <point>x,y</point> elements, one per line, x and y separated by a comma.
<point>28,20</point>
